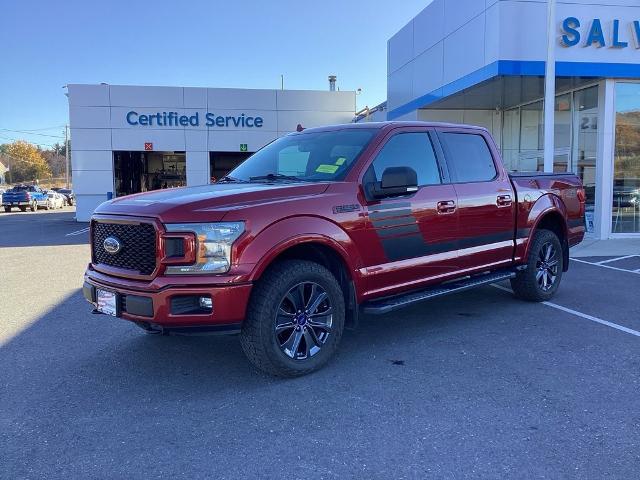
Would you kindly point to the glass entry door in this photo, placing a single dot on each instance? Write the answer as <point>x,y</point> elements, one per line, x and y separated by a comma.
<point>626,165</point>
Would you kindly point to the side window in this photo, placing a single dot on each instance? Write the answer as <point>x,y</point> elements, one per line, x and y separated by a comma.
<point>469,157</point>
<point>407,150</point>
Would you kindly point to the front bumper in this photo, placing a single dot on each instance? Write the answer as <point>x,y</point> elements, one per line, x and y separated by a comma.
<point>156,308</point>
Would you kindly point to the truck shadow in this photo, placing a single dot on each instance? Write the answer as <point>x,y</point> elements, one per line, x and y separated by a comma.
<point>109,358</point>
<point>102,385</point>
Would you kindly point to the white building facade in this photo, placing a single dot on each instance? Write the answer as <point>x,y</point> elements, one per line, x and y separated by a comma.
<point>483,62</point>
<point>130,139</point>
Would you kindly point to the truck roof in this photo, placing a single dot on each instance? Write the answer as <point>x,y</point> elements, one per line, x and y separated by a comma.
<point>387,125</point>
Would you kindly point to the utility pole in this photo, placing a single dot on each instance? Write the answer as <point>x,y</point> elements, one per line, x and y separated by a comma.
<point>66,154</point>
<point>550,88</point>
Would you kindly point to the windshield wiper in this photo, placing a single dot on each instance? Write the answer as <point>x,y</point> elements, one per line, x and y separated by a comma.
<point>227,178</point>
<point>274,176</point>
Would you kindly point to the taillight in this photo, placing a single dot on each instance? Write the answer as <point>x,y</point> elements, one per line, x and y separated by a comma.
<point>582,196</point>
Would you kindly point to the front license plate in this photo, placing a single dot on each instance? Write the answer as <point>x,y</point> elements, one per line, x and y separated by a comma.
<point>106,302</point>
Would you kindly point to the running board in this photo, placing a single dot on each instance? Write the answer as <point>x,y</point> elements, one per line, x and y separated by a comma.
<point>389,304</point>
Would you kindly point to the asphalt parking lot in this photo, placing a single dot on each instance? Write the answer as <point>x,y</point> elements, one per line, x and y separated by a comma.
<point>478,385</point>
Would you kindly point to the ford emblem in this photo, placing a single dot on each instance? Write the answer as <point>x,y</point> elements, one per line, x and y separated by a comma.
<point>112,245</point>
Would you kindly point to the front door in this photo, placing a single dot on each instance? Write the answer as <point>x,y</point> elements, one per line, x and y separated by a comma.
<point>411,238</point>
<point>486,203</point>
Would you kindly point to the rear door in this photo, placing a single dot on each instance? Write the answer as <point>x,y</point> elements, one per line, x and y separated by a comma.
<point>410,239</point>
<point>486,203</point>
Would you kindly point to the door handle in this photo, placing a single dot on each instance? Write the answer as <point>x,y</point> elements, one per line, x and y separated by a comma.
<point>446,206</point>
<point>504,200</point>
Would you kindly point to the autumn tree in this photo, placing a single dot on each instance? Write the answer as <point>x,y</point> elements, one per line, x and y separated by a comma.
<point>26,162</point>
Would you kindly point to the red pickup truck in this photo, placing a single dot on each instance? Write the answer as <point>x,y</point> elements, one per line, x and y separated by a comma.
<point>325,224</point>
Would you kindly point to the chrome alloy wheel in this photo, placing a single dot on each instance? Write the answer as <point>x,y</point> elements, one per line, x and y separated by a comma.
<point>304,320</point>
<point>547,267</point>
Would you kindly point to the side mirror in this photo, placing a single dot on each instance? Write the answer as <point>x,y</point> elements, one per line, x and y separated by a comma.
<point>395,181</point>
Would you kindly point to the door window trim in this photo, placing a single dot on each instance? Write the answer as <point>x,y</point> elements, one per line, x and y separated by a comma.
<point>437,150</point>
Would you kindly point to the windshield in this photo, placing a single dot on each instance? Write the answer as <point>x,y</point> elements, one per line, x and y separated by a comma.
<point>314,157</point>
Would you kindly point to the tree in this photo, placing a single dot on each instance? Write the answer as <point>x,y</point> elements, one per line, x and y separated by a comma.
<point>26,163</point>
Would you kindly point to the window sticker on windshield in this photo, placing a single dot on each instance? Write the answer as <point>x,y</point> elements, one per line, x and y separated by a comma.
<point>340,161</point>
<point>327,168</point>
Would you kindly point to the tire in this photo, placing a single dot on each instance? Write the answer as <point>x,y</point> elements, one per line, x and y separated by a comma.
<point>7,209</point>
<point>541,279</point>
<point>23,208</point>
<point>47,206</point>
<point>34,207</point>
<point>304,343</point>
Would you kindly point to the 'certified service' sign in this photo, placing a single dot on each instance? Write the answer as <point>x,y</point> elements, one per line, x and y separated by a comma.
<point>173,119</point>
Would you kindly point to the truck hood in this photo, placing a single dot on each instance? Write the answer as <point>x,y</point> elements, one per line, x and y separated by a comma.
<point>206,203</point>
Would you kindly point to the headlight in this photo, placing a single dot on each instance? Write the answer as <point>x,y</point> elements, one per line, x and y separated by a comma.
<point>213,246</point>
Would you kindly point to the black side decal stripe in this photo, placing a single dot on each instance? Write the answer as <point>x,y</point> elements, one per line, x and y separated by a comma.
<point>388,206</point>
<point>411,246</point>
<point>390,214</point>
<point>485,239</point>
<point>394,222</point>
<point>402,230</point>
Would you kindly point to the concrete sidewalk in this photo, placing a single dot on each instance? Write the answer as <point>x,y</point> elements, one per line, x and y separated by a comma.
<point>606,248</point>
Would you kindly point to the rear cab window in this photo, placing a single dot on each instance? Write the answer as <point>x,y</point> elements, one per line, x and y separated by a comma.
<point>468,157</point>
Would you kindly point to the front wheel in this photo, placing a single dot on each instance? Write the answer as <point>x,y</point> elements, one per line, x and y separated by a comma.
<point>34,206</point>
<point>7,209</point>
<point>541,279</point>
<point>295,319</point>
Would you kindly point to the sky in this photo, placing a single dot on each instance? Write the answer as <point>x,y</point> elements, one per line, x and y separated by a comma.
<point>45,45</point>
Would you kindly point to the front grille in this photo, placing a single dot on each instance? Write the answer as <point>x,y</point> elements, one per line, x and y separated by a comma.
<point>137,246</point>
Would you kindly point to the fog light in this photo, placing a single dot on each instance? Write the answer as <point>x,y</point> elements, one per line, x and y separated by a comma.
<point>206,303</point>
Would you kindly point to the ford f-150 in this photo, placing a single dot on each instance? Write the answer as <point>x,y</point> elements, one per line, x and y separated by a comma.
<point>328,223</point>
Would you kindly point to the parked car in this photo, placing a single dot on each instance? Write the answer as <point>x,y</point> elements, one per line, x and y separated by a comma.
<point>23,197</point>
<point>54,200</point>
<point>69,196</point>
<point>324,224</point>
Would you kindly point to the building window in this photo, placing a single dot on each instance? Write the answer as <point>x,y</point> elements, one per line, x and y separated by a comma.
<point>575,138</point>
<point>585,141</point>
<point>626,167</point>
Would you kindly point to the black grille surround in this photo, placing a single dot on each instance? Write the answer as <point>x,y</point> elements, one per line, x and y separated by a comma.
<point>138,246</point>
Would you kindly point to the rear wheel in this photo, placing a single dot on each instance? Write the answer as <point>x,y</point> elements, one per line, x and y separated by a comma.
<point>294,320</point>
<point>541,279</point>
<point>7,209</point>
<point>23,208</point>
<point>34,206</point>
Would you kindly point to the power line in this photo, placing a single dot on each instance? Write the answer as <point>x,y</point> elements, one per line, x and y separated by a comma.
<point>42,129</point>
<point>29,132</point>
<point>26,141</point>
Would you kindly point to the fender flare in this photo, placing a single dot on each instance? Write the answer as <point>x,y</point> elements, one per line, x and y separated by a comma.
<point>285,234</point>
<point>545,205</point>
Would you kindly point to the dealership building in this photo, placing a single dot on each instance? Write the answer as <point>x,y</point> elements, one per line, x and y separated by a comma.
<point>130,139</point>
<point>482,62</point>
<point>479,62</point>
